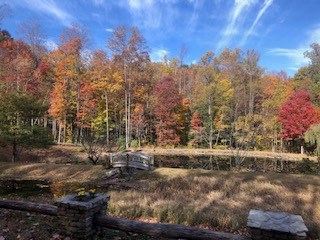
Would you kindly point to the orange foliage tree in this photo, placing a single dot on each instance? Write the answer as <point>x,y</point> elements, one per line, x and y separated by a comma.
<point>64,96</point>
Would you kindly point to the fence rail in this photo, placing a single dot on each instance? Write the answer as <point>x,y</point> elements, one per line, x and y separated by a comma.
<point>163,230</point>
<point>46,209</point>
<point>151,229</point>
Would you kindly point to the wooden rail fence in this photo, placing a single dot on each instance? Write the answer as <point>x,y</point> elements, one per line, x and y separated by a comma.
<point>151,229</point>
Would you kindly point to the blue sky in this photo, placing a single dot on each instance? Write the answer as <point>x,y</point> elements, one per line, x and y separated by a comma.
<point>280,30</point>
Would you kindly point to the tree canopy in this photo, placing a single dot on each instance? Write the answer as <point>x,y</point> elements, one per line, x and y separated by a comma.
<point>120,94</point>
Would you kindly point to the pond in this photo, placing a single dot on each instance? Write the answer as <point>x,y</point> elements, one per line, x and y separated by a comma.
<point>29,188</point>
<point>24,188</point>
<point>227,163</point>
<point>219,163</point>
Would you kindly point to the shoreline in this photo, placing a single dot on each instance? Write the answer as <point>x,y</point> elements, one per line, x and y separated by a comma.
<point>227,152</point>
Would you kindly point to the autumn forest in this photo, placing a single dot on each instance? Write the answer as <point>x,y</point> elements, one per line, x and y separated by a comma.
<point>117,95</point>
<point>150,119</point>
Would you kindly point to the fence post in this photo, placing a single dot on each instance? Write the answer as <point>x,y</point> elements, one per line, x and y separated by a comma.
<point>76,217</point>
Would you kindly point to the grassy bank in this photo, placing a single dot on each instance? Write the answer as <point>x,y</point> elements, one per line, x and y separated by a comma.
<point>220,200</point>
<point>226,152</point>
<point>51,172</point>
<point>75,154</point>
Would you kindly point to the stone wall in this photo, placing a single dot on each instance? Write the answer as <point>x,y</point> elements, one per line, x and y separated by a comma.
<point>76,217</point>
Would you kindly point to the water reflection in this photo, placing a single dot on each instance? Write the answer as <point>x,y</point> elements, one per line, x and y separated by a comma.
<point>227,163</point>
<point>24,187</point>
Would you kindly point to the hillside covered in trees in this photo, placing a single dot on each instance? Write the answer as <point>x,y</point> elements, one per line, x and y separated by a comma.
<point>119,96</point>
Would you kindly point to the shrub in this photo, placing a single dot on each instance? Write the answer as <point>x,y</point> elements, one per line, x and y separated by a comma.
<point>307,166</point>
<point>134,144</point>
<point>121,143</point>
<point>80,149</point>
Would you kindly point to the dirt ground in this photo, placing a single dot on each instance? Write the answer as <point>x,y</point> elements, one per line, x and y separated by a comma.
<point>51,172</point>
<point>53,154</point>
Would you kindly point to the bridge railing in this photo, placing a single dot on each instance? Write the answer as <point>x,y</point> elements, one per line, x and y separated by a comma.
<point>132,159</point>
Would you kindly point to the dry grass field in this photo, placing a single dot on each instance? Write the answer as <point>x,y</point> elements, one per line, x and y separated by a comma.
<point>220,200</point>
<point>214,199</point>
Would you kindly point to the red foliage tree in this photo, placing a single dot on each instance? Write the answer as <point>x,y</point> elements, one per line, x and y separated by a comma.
<point>197,129</point>
<point>168,101</point>
<point>18,65</point>
<point>87,103</point>
<point>296,115</point>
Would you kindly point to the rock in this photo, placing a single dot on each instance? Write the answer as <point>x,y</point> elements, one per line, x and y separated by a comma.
<point>112,173</point>
<point>283,224</point>
<point>56,236</point>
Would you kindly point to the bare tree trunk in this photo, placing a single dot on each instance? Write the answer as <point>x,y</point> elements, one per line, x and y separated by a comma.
<point>45,121</point>
<point>126,107</point>
<point>301,149</point>
<point>217,138</point>
<point>245,99</point>
<point>119,129</point>
<point>129,114</point>
<point>139,139</point>
<point>211,124</point>
<point>54,128</point>
<point>183,51</point>
<point>81,134</point>
<point>71,132</point>
<point>107,119</point>
<point>64,132</point>
<point>59,133</point>
<point>251,97</point>
<point>126,117</point>
<point>14,151</point>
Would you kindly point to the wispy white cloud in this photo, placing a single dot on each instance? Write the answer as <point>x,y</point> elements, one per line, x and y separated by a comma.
<point>139,4</point>
<point>266,5</point>
<point>157,54</point>
<point>145,13</point>
<point>152,15</point>
<point>294,68</point>
<point>49,7</point>
<point>296,55</point>
<point>50,45</point>
<point>234,21</point>
<point>98,2</point>
<point>195,14</point>
<point>109,30</point>
<point>314,35</point>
